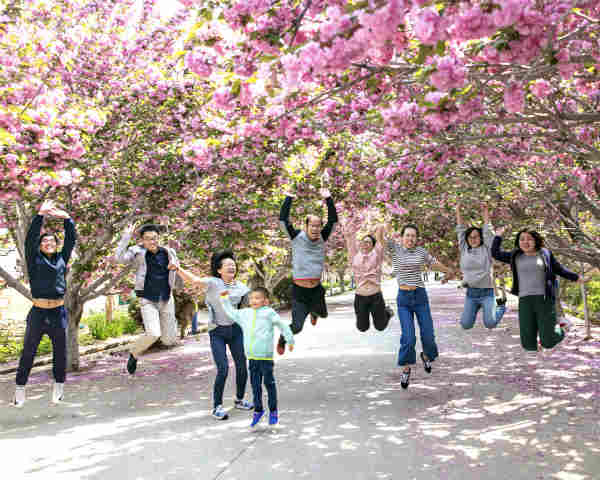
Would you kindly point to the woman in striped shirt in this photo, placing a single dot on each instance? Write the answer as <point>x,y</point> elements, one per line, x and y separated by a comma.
<point>408,262</point>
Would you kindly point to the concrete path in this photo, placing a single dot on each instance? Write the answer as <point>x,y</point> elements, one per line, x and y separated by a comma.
<point>489,410</point>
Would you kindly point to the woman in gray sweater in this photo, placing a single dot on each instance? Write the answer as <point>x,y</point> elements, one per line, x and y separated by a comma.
<point>476,266</point>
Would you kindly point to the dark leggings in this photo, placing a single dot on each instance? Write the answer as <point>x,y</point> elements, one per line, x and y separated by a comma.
<point>219,338</point>
<point>371,305</point>
<point>52,322</point>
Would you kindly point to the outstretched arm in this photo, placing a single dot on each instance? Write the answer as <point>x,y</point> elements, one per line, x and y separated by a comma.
<point>231,312</point>
<point>186,276</point>
<point>284,328</point>
<point>332,217</point>
<point>284,217</point>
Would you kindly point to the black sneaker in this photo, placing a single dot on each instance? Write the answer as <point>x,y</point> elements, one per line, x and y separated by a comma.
<point>390,313</point>
<point>405,379</point>
<point>500,301</point>
<point>131,364</point>
<point>426,363</point>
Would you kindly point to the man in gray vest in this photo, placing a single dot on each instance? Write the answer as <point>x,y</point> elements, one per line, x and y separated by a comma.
<point>308,260</point>
<point>154,284</point>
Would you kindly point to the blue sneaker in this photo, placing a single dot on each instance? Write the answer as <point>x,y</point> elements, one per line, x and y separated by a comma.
<point>273,418</point>
<point>256,418</point>
<point>243,404</point>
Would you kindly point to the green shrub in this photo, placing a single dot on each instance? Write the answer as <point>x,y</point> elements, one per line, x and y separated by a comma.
<point>101,329</point>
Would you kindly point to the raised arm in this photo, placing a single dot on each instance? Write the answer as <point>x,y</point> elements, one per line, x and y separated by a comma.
<point>70,239</point>
<point>124,254</point>
<point>460,229</point>
<point>32,239</point>
<point>380,245</point>
<point>284,217</point>
<point>496,250</point>
<point>487,229</point>
<point>349,230</point>
<point>332,217</point>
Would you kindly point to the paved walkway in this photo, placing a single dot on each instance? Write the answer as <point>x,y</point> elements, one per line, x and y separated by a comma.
<point>488,411</point>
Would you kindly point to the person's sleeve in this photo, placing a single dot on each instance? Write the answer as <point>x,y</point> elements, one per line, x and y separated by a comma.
<point>70,239</point>
<point>379,252</point>
<point>284,218</point>
<point>488,234</point>
<point>562,271</point>
<point>210,284</point>
<point>497,252</point>
<point>284,328</point>
<point>124,254</point>
<point>32,239</point>
<point>235,315</point>
<point>332,219</point>
<point>462,241</point>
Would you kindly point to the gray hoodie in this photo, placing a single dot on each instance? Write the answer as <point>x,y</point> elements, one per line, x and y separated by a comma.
<point>476,263</point>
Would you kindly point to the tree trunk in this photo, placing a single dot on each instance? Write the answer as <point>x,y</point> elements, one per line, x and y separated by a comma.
<point>108,307</point>
<point>74,308</point>
<point>340,274</point>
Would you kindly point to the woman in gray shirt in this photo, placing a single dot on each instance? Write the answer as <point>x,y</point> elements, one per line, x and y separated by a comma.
<point>476,266</point>
<point>223,330</point>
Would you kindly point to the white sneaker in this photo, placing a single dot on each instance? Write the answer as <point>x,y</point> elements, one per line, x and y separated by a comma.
<point>58,390</point>
<point>220,413</point>
<point>20,397</point>
<point>565,323</point>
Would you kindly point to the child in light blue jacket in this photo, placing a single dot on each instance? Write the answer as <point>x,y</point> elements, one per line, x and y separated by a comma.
<point>257,323</point>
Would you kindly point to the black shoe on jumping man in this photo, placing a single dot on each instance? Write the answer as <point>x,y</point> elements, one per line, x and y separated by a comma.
<point>131,364</point>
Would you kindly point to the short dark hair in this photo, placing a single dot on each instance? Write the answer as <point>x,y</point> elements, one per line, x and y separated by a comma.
<point>149,228</point>
<point>48,234</point>
<point>262,290</point>
<point>539,241</point>
<point>216,261</point>
<point>407,226</point>
<point>468,232</point>
<point>372,238</point>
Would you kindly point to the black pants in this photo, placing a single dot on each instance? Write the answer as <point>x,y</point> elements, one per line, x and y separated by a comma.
<point>234,337</point>
<point>262,371</point>
<point>305,301</point>
<point>52,322</point>
<point>374,305</point>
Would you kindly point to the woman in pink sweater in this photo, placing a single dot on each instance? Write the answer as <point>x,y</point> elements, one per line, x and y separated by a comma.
<point>365,258</point>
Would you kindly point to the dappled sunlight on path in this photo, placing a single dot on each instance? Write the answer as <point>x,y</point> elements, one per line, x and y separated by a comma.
<point>489,410</point>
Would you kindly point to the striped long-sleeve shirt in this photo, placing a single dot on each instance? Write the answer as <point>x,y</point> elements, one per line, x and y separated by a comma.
<point>408,263</point>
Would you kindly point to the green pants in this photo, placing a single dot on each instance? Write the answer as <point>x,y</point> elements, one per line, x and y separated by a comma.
<point>538,315</point>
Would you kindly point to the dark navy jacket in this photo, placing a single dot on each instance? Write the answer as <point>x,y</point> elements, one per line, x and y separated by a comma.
<point>47,274</point>
<point>551,267</point>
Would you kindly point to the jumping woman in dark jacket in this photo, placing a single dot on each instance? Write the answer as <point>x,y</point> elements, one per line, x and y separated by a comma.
<point>534,271</point>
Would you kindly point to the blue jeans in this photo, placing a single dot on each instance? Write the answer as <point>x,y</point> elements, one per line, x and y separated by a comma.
<point>195,323</point>
<point>483,298</point>
<point>411,302</point>
<point>234,337</point>
<point>262,371</point>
